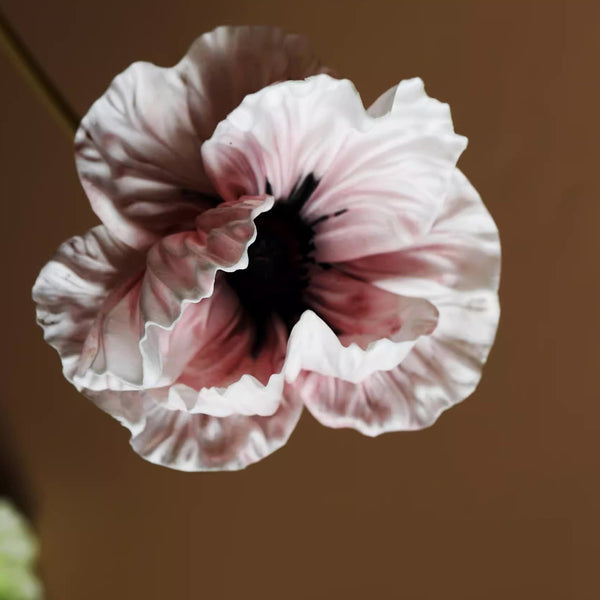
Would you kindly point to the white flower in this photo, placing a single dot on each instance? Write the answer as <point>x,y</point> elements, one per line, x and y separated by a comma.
<point>267,243</point>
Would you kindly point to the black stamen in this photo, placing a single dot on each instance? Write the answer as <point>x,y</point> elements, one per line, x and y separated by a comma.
<point>322,218</point>
<point>277,272</point>
<point>319,220</point>
<point>302,192</point>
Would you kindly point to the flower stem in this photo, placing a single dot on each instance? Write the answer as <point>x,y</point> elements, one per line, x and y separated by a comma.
<point>32,72</point>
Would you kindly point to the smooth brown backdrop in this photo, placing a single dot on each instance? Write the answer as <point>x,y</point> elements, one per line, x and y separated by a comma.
<point>500,498</point>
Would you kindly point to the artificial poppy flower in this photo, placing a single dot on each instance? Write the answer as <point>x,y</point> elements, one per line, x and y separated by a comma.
<point>266,244</point>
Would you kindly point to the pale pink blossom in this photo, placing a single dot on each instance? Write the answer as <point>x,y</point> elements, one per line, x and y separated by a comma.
<point>268,244</point>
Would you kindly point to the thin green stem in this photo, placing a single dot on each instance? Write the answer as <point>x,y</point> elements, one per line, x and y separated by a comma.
<point>31,71</point>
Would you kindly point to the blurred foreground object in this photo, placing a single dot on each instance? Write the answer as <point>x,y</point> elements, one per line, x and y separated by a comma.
<point>18,552</point>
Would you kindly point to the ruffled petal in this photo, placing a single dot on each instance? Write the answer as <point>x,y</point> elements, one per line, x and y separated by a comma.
<point>457,260</point>
<point>72,288</point>
<point>409,104</point>
<point>227,64</point>
<point>438,372</point>
<point>457,268</point>
<point>138,147</point>
<point>166,425</point>
<point>380,181</point>
<point>225,373</point>
<point>360,312</point>
<point>314,346</point>
<point>138,156</point>
<point>386,192</point>
<point>149,329</point>
<point>197,442</point>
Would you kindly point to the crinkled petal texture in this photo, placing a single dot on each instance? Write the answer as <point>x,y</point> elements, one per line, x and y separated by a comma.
<point>379,185</point>
<point>381,181</point>
<point>138,308</point>
<point>161,342</point>
<point>391,213</point>
<point>178,163</point>
<point>138,148</point>
<point>198,442</point>
<point>456,267</point>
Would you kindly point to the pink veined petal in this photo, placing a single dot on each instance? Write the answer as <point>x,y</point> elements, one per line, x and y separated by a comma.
<point>138,156</point>
<point>457,260</point>
<point>392,186</point>
<point>197,442</point>
<point>457,267</point>
<point>438,372</point>
<point>148,330</point>
<point>357,328</point>
<point>72,289</point>
<point>382,181</point>
<point>73,286</point>
<point>361,312</point>
<point>138,147</point>
<point>223,373</point>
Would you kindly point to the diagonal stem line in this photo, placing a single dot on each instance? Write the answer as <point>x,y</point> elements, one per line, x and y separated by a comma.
<point>33,73</point>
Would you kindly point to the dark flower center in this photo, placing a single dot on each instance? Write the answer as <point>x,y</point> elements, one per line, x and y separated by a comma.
<point>277,273</point>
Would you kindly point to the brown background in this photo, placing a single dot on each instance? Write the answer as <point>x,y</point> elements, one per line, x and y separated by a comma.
<point>500,498</point>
